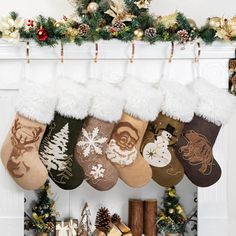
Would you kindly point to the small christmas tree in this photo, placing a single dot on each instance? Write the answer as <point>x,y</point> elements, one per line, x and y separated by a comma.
<point>44,213</point>
<point>172,218</point>
<point>85,223</point>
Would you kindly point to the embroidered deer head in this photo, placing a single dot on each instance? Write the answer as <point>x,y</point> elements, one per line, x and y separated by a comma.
<point>21,143</point>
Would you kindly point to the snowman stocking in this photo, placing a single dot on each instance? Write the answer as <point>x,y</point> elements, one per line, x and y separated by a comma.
<point>106,109</point>
<point>194,147</point>
<point>59,141</point>
<point>162,134</point>
<point>35,107</point>
<point>142,105</point>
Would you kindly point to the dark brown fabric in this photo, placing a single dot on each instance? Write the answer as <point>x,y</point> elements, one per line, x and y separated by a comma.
<point>90,154</point>
<point>157,149</point>
<point>57,152</point>
<point>194,151</point>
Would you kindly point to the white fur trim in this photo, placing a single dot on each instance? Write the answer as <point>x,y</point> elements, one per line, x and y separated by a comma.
<point>142,100</point>
<point>36,102</point>
<point>179,101</point>
<point>73,99</point>
<point>215,105</point>
<point>107,101</point>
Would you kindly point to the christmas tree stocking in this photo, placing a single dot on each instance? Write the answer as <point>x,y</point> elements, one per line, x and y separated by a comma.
<point>162,134</point>
<point>35,107</point>
<point>106,109</point>
<point>59,141</point>
<point>142,105</point>
<point>194,147</point>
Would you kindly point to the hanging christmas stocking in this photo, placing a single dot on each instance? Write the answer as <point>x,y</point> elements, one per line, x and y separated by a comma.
<point>162,134</point>
<point>35,107</point>
<point>59,141</point>
<point>194,148</point>
<point>142,105</point>
<point>106,109</point>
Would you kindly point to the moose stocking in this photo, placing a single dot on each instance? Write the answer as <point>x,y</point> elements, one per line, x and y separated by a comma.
<point>59,141</point>
<point>35,107</point>
<point>162,134</point>
<point>106,109</point>
<point>142,105</point>
<point>194,147</point>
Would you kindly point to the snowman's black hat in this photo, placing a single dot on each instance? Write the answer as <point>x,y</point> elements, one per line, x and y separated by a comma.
<point>170,129</point>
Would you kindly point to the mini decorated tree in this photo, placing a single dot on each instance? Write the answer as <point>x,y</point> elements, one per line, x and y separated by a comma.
<point>43,212</point>
<point>85,223</point>
<point>172,218</point>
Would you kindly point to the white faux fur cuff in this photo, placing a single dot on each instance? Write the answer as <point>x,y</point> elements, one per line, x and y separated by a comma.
<point>36,102</point>
<point>73,99</point>
<point>142,100</point>
<point>179,101</point>
<point>215,105</point>
<point>107,101</point>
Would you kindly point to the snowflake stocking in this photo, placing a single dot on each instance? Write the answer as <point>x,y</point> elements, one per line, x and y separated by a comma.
<point>59,141</point>
<point>162,134</point>
<point>194,148</point>
<point>106,109</point>
<point>142,105</point>
<point>35,107</point>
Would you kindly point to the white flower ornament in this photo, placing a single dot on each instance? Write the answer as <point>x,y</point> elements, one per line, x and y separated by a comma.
<point>10,28</point>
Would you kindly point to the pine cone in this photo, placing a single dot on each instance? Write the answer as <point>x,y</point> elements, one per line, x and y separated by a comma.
<point>103,220</point>
<point>183,36</point>
<point>115,218</point>
<point>119,26</point>
<point>83,29</point>
<point>150,32</point>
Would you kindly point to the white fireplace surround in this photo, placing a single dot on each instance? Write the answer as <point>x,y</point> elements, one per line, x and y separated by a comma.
<point>214,203</point>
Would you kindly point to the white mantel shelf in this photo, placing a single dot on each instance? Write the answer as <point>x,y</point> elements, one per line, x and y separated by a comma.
<point>116,50</point>
<point>212,201</point>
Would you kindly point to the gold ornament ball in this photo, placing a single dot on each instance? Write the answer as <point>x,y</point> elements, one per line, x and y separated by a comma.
<point>58,24</point>
<point>171,210</point>
<point>92,7</point>
<point>138,33</point>
<point>192,23</point>
<point>215,22</point>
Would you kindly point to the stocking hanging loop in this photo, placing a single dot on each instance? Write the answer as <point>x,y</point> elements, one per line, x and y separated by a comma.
<point>198,54</point>
<point>62,53</point>
<point>96,53</point>
<point>171,52</point>
<point>132,52</point>
<point>27,52</point>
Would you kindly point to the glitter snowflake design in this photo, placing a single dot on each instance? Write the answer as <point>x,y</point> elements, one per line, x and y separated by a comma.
<point>97,171</point>
<point>91,142</point>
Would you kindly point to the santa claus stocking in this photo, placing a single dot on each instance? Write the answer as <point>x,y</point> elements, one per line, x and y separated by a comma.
<point>194,147</point>
<point>106,109</point>
<point>142,105</point>
<point>162,134</point>
<point>35,107</point>
<point>59,141</point>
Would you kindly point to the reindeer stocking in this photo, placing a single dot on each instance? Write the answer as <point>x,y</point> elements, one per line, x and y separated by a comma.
<point>142,105</point>
<point>162,134</point>
<point>60,138</point>
<point>106,109</point>
<point>35,107</point>
<point>194,147</point>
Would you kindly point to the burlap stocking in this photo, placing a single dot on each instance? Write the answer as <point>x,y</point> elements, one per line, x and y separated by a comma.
<point>142,105</point>
<point>194,148</point>
<point>106,109</point>
<point>35,107</point>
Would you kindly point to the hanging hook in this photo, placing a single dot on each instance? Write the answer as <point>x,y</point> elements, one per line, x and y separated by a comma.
<point>27,52</point>
<point>197,57</point>
<point>96,53</point>
<point>172,51</point>
<point>62,53</point>
<point>132,53</point>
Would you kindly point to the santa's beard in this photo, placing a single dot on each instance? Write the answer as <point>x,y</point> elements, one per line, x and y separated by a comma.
<point>118,156</point>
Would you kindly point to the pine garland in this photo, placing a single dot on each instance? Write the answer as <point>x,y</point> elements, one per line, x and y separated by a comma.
<point>98,24</point>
